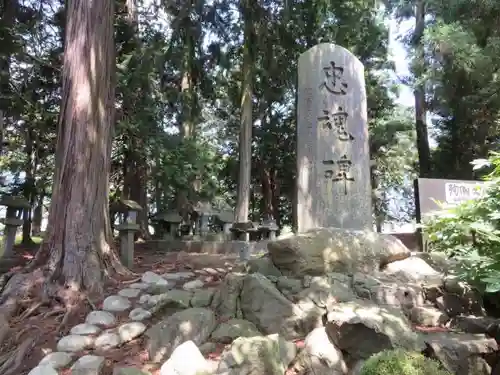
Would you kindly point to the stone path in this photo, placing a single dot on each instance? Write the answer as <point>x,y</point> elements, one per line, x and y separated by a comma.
<point>103,331</point>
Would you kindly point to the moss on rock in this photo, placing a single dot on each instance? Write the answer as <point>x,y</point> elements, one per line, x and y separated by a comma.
<point>401,362</point>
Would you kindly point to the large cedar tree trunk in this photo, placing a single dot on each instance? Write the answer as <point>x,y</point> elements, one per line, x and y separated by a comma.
<point>267,193</point>
<point>36,228</point>
<point>270,193</point>
<point>184,194</point>
<point>246,122</point>
<point>79,234</point>
<point>136,167</point>
<point>141,197</point>
<point>275,188</point>
<point>424,154</point>
<point>29,190</point>
<point>135,171</point>
<point>7,18</point>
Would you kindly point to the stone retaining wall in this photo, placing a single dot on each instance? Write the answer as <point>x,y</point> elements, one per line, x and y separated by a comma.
<point>235,247</point>
<point>211,247</point>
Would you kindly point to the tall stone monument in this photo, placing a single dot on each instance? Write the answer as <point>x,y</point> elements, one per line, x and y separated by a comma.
<point>333,156</point>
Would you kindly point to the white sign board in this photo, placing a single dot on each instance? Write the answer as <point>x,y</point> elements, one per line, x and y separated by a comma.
<point>457,192</point>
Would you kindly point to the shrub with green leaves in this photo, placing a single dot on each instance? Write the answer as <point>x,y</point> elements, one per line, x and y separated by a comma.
<point>401,362</point>
<point>470,232</point>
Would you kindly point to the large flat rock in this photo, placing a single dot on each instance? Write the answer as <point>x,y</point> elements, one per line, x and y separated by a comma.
<point>461,353</point>
<point>324,250</point>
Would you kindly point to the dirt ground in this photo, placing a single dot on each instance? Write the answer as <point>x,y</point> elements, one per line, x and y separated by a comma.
<point>133,354</point>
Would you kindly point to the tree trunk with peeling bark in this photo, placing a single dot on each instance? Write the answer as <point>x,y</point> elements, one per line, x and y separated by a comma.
<point>36,228</point>
<point>424,153</point>
<point>189,109</point>
<point>135,171</point>
<point>135,161</point>
<point>7,19</point>
<point>78,240</point>
<point>246,122</point>
<point>29,189</point>
<point>76,252</point>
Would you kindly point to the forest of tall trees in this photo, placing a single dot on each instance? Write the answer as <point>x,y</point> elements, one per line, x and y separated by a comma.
<point>176,102</point>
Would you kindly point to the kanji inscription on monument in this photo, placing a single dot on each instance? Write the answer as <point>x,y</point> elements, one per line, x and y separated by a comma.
<point>333,80</point>
<point>336,121</point>
<point>342,171</point>
<point>333,160</point>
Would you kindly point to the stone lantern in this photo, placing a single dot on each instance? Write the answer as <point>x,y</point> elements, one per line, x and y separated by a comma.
<point>13,219</point>
<point>204,212</point>
<point>170,223</point>
<point>226,218</point>
<point>128,211</point>
<point>269,228</point>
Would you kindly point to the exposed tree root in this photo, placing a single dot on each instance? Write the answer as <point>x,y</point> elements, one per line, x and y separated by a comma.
<point>4,279</point>
<point>112,264</point>
<point>69,312</point>
<point>22,332</point>
<point>28,312</point>
<point>131,281</point>
<point>50,286</point>
<point>48,314</point>
<point>91,304</point>
<point>4,328</point>
<point>11,362</point>
<point>23,297</point>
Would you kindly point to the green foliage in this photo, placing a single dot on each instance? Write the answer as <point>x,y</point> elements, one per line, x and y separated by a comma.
<point>470,232</point>
<point>187,75</point>
<point>459,73</point>
<point>401,362</point>
<point>192,163</point>
<point>392,146</point>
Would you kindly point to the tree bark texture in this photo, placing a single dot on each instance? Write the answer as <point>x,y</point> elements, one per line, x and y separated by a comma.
<point>135,161</point>
<point>275,187</point>
<point>36,228</point>
<point>135,171</point>
<point>29,188</point>
<point>246,122</point>
<point>189,109</point>
<point>270,193</point>
<point>424,153</point>
<point>78,233</point>
<point>7,19</point>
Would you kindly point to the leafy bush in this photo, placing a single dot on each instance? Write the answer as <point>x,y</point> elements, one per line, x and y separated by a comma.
<point>470,232</point>
<point>401,362</point>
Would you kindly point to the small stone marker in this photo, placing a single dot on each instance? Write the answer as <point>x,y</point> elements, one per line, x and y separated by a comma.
<point>333,156</point>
